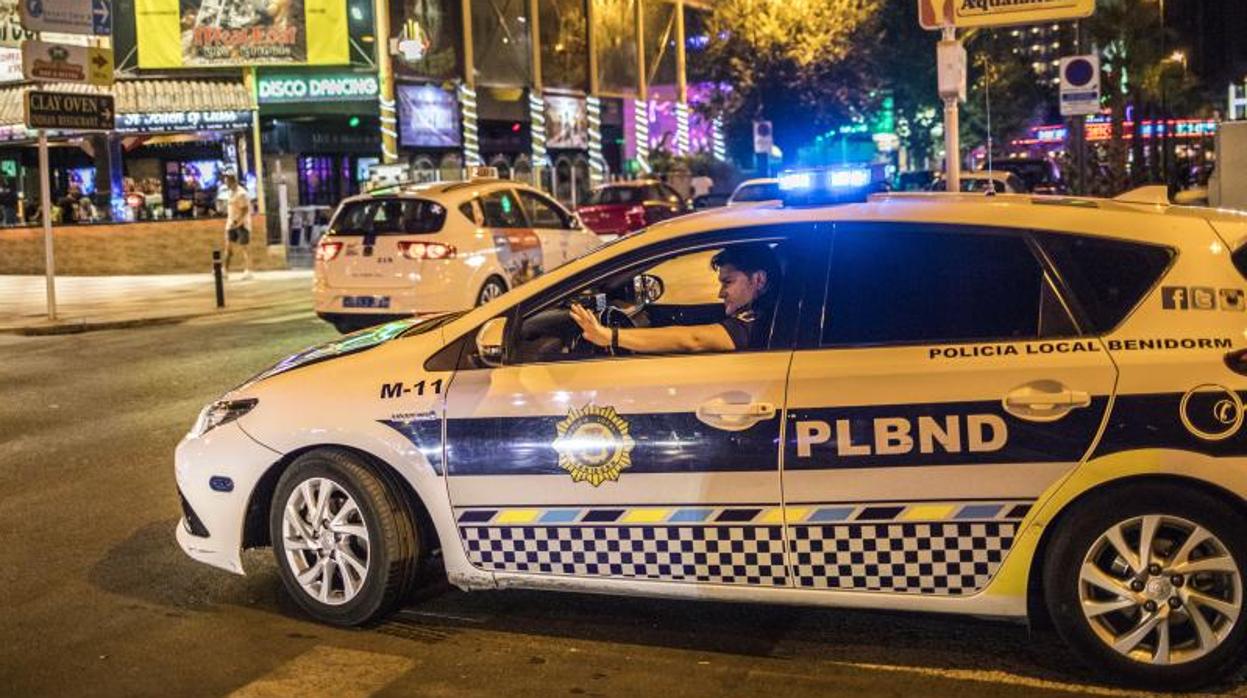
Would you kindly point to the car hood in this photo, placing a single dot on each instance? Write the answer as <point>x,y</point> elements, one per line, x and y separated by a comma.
<point>354,343</point>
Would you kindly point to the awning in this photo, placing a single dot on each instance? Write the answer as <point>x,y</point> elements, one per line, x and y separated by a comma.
<point>151,96</point>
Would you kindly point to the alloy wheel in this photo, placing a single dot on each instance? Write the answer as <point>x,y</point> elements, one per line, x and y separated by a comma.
<point>325,541</point>
<point>1160,589</point>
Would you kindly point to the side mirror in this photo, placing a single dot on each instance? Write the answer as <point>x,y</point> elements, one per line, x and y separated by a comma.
<point>649,288</point>
<point>489,341</point>
<point>575,222</point>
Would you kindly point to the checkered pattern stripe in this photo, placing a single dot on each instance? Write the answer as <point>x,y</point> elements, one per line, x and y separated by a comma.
<point>917,558</point>
<point>749,555</point>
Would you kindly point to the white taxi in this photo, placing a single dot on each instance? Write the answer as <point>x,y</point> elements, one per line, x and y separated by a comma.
<point>1019,407</point>
<point>413,250</point>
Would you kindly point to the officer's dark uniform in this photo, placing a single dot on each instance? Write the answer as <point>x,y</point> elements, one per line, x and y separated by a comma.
<point>750,326</point>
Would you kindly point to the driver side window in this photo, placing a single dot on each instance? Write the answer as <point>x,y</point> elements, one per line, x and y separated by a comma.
<point>680,288</point>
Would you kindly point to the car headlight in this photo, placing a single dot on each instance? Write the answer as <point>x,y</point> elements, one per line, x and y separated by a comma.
<point>220,412</point>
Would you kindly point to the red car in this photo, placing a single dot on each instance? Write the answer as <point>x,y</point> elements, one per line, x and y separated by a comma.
<point>626,207</point>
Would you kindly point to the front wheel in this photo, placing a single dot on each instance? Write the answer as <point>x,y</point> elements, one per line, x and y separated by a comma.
<point>1147,581</point>
<point>345,541</point>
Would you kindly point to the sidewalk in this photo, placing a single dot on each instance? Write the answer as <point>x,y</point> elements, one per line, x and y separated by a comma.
<point>87,303</point>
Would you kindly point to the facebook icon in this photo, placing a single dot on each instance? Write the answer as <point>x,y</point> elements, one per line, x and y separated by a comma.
<point>1174,298</point>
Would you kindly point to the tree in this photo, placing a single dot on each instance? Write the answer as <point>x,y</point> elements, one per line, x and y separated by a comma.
<point>805,65</point>
<point>906,70</point>
<point>1127,33</point>
<point>1002,81</point>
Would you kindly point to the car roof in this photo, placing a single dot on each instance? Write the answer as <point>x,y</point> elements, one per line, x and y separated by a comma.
<point>450,193</point>
<point>757,181</point>
<point>630,183</point>
<point>1081,215</point>
<point>985,174</point>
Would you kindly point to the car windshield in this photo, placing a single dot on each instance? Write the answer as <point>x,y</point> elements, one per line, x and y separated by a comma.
<point>389,217</point>
<point>617,195</point>
<point>758,192</point>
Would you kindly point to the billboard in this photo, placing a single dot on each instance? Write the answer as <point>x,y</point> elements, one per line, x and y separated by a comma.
<point>11,30</point>
<point>935,14</point>
<point>428,117</point>
<point>567,122</point>
<point>216,33</point>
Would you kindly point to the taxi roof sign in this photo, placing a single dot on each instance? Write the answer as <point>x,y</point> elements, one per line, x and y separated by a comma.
<point>938,14</point>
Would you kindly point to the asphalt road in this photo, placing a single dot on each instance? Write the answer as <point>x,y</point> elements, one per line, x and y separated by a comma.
<point>97,599</point>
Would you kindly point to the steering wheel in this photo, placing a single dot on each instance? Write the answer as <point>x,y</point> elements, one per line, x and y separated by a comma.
<point>610,316</point>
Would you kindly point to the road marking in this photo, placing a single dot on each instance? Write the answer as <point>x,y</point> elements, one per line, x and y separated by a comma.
<point>994,677</point>
<point>329,671</point>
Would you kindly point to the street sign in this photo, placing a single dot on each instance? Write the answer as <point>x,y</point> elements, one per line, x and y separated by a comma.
<point>937,14</point>
<point>67,16</point>
<point>42,61</point>
<point>1080,85</point>
<point>763,137</point>
<point>69,111</point>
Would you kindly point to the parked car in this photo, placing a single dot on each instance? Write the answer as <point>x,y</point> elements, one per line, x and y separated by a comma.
<point>756,191</point>
<point>430,248</point>
<point>1038,175</point>
<point>995,181</point>
<point>626,207</point>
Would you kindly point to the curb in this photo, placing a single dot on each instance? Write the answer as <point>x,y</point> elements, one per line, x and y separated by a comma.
<point>64,327</point>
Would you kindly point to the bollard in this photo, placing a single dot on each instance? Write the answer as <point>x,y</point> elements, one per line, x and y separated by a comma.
<point>218,279</point>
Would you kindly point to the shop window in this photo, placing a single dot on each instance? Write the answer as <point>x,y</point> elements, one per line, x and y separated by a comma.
<point>319,181</point>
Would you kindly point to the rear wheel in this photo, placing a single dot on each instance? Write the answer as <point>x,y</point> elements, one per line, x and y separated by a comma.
<point>493,288</point>
<point>345,540</point>
<point>1148,581</point>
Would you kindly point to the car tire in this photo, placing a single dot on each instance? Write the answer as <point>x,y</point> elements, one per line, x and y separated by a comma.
<point>344,537</point>
<point>1097,599</point>
<point>491,289</point>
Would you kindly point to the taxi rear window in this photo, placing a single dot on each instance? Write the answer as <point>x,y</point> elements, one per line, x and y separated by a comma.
<point>390,217</point>
<point>1107,277</point>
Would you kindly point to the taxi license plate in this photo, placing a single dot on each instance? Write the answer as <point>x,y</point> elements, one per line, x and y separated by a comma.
<point>365,301</point>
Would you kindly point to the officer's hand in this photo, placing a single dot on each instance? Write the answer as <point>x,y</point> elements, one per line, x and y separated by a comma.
<point>593,330</point>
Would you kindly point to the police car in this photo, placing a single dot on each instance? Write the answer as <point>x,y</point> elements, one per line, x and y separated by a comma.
<point>406,250</point>
<point>1019,407</point>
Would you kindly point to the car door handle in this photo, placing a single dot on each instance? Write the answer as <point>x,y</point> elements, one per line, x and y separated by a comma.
<point>734,416</point>
<point>1044,401</point>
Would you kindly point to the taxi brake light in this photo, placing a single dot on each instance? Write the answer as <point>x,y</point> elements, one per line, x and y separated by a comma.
<point>326,251</point>
<point>426,250</point>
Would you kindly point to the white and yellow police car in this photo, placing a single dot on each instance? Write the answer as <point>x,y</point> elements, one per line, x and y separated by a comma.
<point>400,251</point>
<point>1018,407</point>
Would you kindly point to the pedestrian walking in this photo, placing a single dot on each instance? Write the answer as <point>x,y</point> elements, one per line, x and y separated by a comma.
<point>237,224</point>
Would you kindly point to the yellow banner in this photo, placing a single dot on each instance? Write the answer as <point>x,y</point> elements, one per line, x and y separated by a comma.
<point>936,14</point>
<point>217,33</point>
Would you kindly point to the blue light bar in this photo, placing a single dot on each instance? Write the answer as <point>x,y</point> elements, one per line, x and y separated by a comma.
<point>837,185</point>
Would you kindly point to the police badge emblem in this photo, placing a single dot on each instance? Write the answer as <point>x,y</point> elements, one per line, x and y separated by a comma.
<point>593,444</point>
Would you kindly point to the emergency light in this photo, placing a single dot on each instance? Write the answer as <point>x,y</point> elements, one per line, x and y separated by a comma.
<point>838,185</point>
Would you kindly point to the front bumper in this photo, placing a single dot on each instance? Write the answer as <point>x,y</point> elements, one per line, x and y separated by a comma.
<point>224,452</point>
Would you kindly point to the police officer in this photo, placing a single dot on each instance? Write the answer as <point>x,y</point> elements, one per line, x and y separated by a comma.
<point>748,277</point>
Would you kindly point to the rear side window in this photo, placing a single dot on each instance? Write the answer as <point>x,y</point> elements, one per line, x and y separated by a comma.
<point>542,212</point>
<point>1107,277</point>
<point>906,285</point>
<point>390,217</point>
<point>503,211</point>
